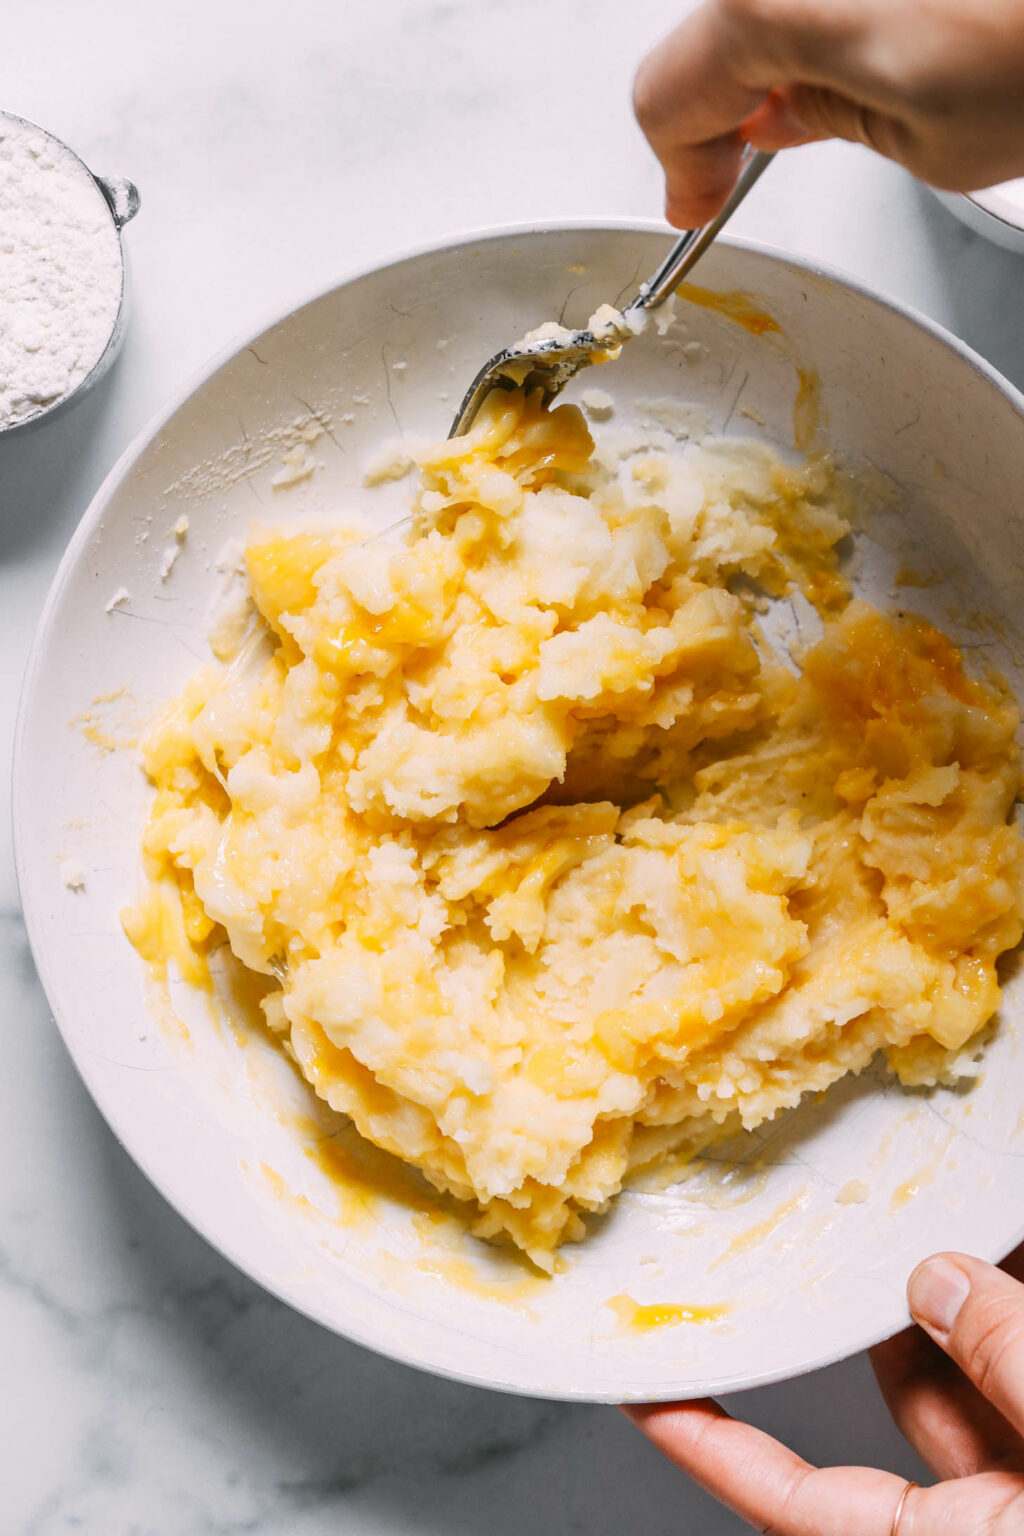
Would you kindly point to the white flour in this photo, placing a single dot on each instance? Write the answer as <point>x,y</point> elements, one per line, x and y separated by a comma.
<point>60,272</point>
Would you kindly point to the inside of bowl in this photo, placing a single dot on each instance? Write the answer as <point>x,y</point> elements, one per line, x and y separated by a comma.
<point>770,1266</point>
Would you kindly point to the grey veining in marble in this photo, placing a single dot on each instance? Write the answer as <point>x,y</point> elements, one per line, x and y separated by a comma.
<point>148,1389</point>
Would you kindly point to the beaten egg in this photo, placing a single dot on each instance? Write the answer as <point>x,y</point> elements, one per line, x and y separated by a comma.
<point>556,863</point>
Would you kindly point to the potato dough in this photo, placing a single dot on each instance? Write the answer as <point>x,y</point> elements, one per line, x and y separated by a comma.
<point>562,863</point>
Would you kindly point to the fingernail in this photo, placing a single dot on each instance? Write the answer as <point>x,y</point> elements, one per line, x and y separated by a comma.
<point>936,1292</point>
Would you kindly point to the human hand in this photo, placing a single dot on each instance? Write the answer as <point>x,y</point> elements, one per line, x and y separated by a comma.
<point>955,1389</point>
<point>937,85</point>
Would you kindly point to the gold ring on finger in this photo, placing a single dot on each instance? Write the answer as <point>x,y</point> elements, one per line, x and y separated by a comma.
<point>894,1529</point>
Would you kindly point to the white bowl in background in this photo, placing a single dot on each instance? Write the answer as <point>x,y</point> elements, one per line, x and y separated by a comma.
<point>997,212</point>
<point>212,1119</point>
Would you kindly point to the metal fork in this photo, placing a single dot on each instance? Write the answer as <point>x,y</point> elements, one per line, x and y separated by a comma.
<point>550,363</point>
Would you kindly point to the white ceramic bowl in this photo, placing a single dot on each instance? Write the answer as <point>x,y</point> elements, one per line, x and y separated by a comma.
<point>212,1120</point>
<point>990,213</point>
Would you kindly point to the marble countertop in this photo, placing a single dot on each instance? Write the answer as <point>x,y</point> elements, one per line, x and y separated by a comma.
<point>148,1387</point>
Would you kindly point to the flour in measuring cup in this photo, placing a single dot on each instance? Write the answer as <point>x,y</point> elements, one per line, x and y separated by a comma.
<point>60,272</point>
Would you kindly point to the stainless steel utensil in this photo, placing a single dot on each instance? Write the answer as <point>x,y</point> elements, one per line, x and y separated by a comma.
<point>551,362</point>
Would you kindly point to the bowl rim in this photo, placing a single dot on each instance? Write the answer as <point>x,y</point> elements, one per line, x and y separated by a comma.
<point>88,522</point>
<point>990,200</point>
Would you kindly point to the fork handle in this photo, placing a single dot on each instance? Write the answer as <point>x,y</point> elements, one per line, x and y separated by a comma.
<point>692,244</point>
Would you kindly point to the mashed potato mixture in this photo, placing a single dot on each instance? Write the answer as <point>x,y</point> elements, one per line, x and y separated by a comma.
<point>557,861</point>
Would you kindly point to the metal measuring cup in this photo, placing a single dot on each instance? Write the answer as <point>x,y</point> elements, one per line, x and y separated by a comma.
<point>122,199</point>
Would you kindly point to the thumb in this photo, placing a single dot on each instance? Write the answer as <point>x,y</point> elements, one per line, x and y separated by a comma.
<point>975,1313</point>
